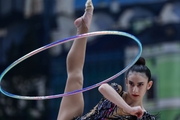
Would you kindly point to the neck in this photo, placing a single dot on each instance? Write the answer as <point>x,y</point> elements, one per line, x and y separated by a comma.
<point>133,103</point>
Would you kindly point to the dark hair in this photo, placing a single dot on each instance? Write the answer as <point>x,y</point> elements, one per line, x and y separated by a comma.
<point>140,66</point>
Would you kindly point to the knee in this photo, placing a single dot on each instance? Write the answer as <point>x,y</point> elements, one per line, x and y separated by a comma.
<point>76,78</point>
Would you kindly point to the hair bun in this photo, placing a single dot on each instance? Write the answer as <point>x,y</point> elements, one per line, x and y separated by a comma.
<point>141,61</point>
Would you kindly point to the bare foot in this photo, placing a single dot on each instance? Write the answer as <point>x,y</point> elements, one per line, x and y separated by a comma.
<point>85,20</point>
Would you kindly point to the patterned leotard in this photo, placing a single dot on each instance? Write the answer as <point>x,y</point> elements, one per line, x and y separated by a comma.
<point>106,110</point>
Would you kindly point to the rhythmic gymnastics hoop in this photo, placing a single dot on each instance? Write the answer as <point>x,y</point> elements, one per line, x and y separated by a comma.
<point>64,41</point>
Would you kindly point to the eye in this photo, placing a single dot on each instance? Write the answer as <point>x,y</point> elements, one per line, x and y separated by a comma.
<point>140,84</point>
<point>131,83</point>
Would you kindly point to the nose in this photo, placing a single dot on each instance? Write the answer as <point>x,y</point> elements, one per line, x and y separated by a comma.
<point>135,89</point>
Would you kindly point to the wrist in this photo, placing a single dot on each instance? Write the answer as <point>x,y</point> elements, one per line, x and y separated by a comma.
<point>127,109</point>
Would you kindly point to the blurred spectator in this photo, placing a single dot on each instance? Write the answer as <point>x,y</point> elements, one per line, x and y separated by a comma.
<point>33,7</point>
<point>170,13</point>
<point>136,18</point>
<point>64,11</point>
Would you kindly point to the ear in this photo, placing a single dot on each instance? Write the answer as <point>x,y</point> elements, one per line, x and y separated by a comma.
<point>150,83</point>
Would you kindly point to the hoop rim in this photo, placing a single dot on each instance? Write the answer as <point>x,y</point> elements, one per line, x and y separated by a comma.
<point>97,33</point>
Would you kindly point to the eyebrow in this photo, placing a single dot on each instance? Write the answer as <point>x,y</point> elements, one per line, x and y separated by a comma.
<point>133,82</point>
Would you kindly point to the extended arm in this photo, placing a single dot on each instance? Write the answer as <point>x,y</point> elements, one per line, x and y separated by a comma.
<point>109,93</point>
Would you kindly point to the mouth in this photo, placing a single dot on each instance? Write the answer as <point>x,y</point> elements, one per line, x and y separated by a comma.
<point>135,95</point>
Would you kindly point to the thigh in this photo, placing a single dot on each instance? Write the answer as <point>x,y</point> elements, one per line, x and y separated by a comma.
<point>73,105</point>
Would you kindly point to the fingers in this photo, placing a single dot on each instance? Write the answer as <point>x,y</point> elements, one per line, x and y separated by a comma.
<point>139,113</point>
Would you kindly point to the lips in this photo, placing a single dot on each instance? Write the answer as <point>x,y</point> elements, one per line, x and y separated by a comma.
<point>135,95</point>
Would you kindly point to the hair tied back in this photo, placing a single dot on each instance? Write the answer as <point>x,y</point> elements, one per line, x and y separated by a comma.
<point>141,61</point>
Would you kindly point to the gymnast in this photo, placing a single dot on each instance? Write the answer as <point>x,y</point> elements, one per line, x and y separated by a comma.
<point>116,103</point>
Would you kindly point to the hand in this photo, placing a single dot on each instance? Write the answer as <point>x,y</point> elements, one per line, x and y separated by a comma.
<point>85,20</point>
<point>136,111</point>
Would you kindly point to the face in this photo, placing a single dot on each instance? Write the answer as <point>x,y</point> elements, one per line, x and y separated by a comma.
<point>137,84</point>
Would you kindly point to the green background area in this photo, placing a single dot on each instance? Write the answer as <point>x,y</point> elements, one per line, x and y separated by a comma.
<point>165,69</point>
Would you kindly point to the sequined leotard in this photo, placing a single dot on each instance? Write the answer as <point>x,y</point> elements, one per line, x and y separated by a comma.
<point>106,110</point>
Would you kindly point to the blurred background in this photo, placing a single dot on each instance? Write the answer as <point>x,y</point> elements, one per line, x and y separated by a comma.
<point>26,25</point>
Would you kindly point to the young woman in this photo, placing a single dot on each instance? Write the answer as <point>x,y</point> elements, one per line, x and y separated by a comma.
<point>116,104</point>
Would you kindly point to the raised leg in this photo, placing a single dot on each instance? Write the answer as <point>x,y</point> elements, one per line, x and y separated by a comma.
<point>73,106</point>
